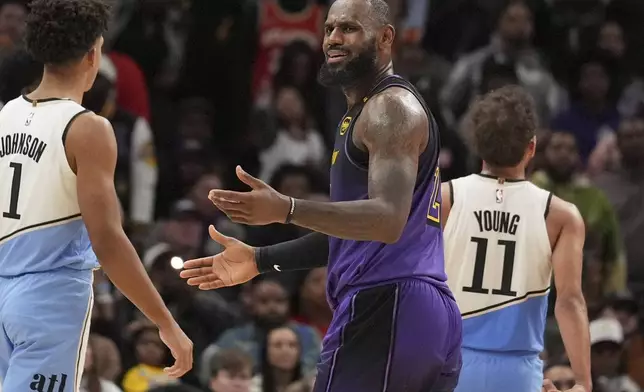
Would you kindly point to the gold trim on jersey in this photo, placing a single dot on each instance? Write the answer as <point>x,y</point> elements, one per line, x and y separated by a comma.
<point>346,123</point>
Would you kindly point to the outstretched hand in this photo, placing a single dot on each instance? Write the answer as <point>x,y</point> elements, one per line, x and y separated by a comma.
<point>235,265</point>
<point>263,205</point>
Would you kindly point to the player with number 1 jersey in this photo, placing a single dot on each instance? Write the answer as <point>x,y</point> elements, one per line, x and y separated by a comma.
<point>59,207</point>
<point>504,237</point>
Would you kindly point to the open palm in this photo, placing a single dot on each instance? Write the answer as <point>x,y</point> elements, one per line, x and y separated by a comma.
<point>235,265</point>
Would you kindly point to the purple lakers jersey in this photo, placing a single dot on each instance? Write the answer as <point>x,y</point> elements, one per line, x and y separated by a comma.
<point>419,251</point>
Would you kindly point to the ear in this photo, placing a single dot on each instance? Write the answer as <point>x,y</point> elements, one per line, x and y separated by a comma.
<point>533,147</point>
<point>92,57</point>
<point>388,36</point>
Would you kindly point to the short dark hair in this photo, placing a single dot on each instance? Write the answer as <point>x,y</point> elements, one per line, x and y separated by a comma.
<point>62,31</point>
<point>232,360</point>
<point>501,125</point>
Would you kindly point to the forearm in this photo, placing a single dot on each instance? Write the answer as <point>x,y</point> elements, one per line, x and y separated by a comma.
<point>572,318</point>
<point>361,220</point>
<point>122,265</point>
<point>306,252</point>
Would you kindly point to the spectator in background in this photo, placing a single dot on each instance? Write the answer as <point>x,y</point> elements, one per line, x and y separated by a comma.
<point>296,141</point>
<point>593,114</point>
<point>311,306</point>
<point>298,68</point>
<point>279,23</point>
<point>270,309</point>
<point>509,45</point>
<point>604,258</point>
<point>210,215</point>
<point>19,74</point>
<point>12,25</point>
<point>106,357</point>
<point>625,190</point>
<point>136,166</point>
<point>280,361</point>
<point>151,356</point>
<point>175,388</point>
<point>560,374</point>
<point>91,380</point>
<point>607,344</point>
<point>182,230</point>
<point>626,310</point>
<point>231,371</point>
<point>291,180</point>
<point>203,315</point>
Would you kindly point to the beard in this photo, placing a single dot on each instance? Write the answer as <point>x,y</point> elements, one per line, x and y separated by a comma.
<point>560,175</point>
<point>352,71</point>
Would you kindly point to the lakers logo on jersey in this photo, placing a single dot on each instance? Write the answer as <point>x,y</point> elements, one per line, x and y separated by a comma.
<point>334,157</point>
<point>345,125</point>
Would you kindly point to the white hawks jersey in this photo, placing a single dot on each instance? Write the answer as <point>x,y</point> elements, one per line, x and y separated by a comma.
<point>41,228</point>
<point>497,259</point>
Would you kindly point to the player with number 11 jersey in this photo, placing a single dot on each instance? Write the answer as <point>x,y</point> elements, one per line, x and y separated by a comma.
<point>504,238</point>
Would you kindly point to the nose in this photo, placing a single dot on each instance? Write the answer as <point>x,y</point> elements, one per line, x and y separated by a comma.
<point>335,37</point>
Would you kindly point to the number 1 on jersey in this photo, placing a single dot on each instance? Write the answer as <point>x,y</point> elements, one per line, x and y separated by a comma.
<point>15,192</point>
<point>479,268</point>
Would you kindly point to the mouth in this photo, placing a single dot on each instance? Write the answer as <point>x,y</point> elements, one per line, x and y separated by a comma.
<point>336,56</point>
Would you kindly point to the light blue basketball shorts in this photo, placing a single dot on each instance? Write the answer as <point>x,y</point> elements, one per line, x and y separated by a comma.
<point>493,372</point>
<point>44,327</point>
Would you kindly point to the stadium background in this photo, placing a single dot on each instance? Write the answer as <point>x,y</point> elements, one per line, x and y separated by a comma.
<point>195,87</point>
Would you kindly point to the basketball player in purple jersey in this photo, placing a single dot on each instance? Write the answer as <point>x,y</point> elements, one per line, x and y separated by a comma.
<point>396,326</point>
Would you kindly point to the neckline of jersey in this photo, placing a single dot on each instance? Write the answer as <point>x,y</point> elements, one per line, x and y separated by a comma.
<point>505,179</point>
<point>44,100</point>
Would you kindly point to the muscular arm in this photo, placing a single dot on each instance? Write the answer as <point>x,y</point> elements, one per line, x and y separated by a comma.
<point>570,306</point>
<point>393,129</point>
<point>91,149</point>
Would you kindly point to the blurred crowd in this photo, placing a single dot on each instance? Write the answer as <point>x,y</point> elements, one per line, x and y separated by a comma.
<point>195,87</point>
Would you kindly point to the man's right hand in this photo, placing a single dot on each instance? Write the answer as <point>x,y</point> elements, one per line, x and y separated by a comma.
<point>181,348</point>
<point>235,265</point>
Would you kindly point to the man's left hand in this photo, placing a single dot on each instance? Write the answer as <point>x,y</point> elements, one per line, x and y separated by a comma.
<point>263,205</point>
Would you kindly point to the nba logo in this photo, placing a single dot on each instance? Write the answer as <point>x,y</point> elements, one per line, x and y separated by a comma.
<point>499,195</point>
<point>28,121</point>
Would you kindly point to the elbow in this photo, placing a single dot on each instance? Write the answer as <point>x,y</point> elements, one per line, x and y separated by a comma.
<point>390,235</point>
<point>391,231</point>
<point>567,302</point>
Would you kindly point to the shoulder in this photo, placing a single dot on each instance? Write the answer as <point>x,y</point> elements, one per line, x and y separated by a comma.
<point>564,213</point>
<point>241,332</point>
<point>389,116</point>
<point>395,101</point>
<point>87,122</point>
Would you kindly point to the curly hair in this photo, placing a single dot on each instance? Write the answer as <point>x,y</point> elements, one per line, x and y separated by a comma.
<point>501,124</point>
<point>62,31</point>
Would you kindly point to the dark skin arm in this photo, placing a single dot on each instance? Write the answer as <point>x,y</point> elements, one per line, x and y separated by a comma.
<point>393,129</point>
